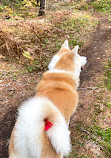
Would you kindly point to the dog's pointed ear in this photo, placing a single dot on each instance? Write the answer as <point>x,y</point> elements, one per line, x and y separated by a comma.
<point>75,51</point>
<point>65,45</point>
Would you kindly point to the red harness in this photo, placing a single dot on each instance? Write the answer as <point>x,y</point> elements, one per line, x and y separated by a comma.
<point>48,125</point>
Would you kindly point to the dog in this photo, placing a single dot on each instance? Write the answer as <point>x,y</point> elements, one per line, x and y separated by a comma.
<point>41,129</point>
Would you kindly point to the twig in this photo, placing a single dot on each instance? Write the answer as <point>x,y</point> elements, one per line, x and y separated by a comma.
<point>79,136</point>
<point>89,88</point>
<point>83,130</point>
<point>107,128</point>
<point>7,143</point>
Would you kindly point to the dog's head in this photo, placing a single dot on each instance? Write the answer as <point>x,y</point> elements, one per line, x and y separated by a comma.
<point>68,60</point>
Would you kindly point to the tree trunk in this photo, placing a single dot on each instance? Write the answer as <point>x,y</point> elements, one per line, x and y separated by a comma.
<point>42,8</point>
<point>37,1</point>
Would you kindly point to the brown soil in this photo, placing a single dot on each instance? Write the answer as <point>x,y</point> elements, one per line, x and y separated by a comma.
<point>97,52</point>
<point>14,92</point>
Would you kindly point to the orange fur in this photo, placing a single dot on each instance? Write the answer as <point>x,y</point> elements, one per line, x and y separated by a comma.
<point>61,90</point>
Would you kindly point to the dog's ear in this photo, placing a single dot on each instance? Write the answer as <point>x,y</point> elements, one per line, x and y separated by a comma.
<point>65,45</point>
<point>75,51</point>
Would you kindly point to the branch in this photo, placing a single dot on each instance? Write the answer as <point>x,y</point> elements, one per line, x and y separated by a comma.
<point>89,88</point>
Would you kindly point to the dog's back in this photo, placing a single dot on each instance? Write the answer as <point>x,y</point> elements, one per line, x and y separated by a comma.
<point>60,88</point>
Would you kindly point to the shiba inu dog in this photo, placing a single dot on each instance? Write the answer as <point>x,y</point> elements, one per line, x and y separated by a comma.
<point>41,129</point>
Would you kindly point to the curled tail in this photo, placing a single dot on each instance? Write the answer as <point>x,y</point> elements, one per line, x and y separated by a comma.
<point>30,127</point>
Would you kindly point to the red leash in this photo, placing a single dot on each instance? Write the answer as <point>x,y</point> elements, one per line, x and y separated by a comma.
<point>48,125</point>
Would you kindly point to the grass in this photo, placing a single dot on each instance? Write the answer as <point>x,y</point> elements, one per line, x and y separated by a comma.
<point>109,105</point>
<point>86,132</point>
<point>82,5</point>
<point>38,65</point>
<point>99,5</point>
<point>74,42</point>
<point>18,9</point>
<point>104,137</point>
<point>18,4</point>
<point>102,5</point>
<point>75,23</point>
<point>77,27</point>
<point>84,156</point>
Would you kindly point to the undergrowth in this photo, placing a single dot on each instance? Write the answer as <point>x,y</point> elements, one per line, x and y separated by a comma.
<point>90,133</point>
<point>18,9</point>
<point>38,65</point>
<point>103,137</point>
<point>102,5</point>
<point>75,23</point>
<point>45,38</point>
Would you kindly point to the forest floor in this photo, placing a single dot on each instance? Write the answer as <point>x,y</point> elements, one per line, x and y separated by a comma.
<point>26,47</point>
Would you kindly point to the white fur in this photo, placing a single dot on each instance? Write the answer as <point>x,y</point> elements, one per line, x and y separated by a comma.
<point>27,135</point>
<point>74,75</point>
<point>65,45</point>
<point>13,156</point>
<point>59,136</point>
<point>30,125</point>
<point>75,50</point>
<point>59,71</point>
<point>79,61</point>
<point>57,57</point>
<point>54,61</point>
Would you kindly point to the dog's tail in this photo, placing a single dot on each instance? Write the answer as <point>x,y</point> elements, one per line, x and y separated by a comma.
<point>30,128</point>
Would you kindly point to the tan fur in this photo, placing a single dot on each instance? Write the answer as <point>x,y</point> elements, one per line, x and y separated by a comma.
<point>12,150</point>
<point>63,51</point>
<point>48,151</point>
<point>61,90</point>
<point>68,57</point>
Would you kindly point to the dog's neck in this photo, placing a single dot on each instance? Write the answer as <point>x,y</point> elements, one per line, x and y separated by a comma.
<point>73,75</point>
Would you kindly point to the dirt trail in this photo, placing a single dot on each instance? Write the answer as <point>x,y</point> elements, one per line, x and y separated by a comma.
<point>97,52</point>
